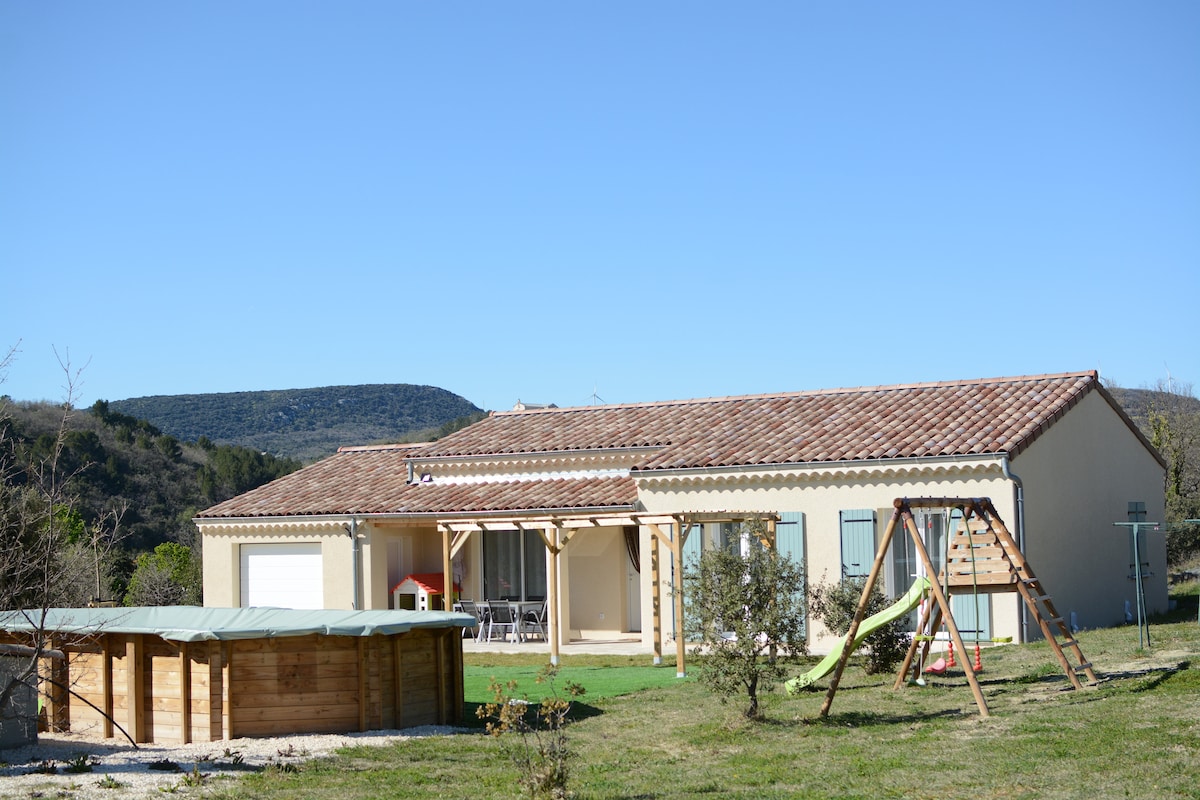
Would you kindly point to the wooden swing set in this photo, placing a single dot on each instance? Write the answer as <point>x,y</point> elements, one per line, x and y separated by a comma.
<point>982,556</point>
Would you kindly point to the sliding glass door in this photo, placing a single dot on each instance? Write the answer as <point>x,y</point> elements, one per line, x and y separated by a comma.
<point>514,565</point>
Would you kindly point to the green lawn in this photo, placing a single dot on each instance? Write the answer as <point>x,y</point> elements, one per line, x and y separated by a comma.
<point>642,733</point>
<point>605,678</point>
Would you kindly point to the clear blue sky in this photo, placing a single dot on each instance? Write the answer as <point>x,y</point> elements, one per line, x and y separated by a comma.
<point>642,201</point>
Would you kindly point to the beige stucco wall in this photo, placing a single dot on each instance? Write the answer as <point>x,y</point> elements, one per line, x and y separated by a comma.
<point>1079,477</point>
<point>222,561</point>
<point>375,536</point>
<point>821,495</point>
<point>597,587</point>
<point>222,564</point>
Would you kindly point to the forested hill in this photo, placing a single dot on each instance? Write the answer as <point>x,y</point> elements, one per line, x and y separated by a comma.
<point>305,424</point>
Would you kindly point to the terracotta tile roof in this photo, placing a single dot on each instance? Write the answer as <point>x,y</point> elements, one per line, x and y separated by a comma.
<point>374,481</point>
<point>963,418</point>
<point>1002,415</point>
<point>559,494</point>
<point>355,480</point>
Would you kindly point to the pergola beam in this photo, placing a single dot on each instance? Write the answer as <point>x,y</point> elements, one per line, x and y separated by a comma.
<point>564,521</point>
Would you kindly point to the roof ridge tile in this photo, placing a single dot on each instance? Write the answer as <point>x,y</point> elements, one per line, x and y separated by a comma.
<point>693,401</point>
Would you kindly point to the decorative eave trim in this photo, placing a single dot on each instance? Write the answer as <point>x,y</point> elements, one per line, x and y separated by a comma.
<point>540,456</point>
<point>324,523</point>
<point>936,468</point>
<point>527,477</point>
<point>519,514</point>
<point>542,467</point>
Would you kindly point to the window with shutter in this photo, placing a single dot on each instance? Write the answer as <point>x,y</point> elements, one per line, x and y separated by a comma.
<point>789,541</point>
<point>858,542</point>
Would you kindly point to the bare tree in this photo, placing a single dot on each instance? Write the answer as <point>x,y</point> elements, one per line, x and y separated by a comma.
<point>39,562</point>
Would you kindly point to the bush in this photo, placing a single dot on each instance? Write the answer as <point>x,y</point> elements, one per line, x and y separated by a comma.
<point>542,754</point>
<point>1183,545</point>
<point>835,604</point>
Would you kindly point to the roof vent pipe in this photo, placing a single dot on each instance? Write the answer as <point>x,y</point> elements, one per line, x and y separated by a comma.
<point>1020,497</point>
<point>412,472</point>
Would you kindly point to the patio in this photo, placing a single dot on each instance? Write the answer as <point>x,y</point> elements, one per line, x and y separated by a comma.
<point>625,647</point>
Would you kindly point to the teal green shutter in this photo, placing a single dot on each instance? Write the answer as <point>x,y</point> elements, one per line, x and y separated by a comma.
<point>858,542</point>
<point>971,624</point>
<point>789,541</point>
<point>693,547</point>
<point>789,534</point>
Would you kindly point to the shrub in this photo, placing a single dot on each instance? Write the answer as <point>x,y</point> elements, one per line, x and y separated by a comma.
<point>542,755</point>
<point>835,604</point>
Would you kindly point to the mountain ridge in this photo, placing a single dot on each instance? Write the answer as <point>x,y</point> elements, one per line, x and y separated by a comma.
<point>307,423</point>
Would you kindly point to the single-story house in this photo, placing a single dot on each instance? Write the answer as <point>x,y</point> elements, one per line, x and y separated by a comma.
<point>597,508</point>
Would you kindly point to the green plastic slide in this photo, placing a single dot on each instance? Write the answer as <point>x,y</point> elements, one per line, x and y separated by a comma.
<point>895,611</point>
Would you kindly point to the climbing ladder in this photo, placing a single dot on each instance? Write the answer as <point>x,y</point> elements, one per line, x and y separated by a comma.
<point>983,556</point>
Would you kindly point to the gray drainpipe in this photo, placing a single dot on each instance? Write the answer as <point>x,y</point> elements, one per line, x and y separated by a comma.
<point>1020,492</point>
<point>352,529</point>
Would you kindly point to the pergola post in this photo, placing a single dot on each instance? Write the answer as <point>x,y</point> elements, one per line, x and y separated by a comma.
<point>447,572</point>
<point>675,540</point>
<point>677,562</point>
<point>656,594</point>
<point>554,545</point>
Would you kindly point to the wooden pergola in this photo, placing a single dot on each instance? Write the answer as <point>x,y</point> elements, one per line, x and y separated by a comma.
<point>559,529</point>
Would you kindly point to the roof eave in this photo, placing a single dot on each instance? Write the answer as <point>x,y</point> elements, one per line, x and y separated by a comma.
<point>430,516</point>
<point>522,512</point>
<point>854,462</point>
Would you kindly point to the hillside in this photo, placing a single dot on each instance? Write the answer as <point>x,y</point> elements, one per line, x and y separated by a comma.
<point>1138,402</point>
<point>109,461</point>
<point>305,424</point>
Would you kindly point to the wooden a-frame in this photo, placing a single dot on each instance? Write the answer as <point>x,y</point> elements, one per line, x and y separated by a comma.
<point>983,556</point>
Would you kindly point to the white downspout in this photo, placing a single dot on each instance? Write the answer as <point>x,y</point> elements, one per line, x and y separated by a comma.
<point>352,529</point>
<point>1019,488</point>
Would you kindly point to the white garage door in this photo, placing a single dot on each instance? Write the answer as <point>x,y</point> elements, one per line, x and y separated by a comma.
<point>282,575</point>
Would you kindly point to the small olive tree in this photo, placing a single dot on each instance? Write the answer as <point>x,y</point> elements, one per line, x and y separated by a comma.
<point>746,613</point>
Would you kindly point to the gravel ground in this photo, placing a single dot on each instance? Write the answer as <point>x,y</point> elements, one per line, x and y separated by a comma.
<point>22,776</point>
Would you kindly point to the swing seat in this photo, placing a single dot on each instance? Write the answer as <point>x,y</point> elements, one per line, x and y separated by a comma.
<point>937,668</point>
